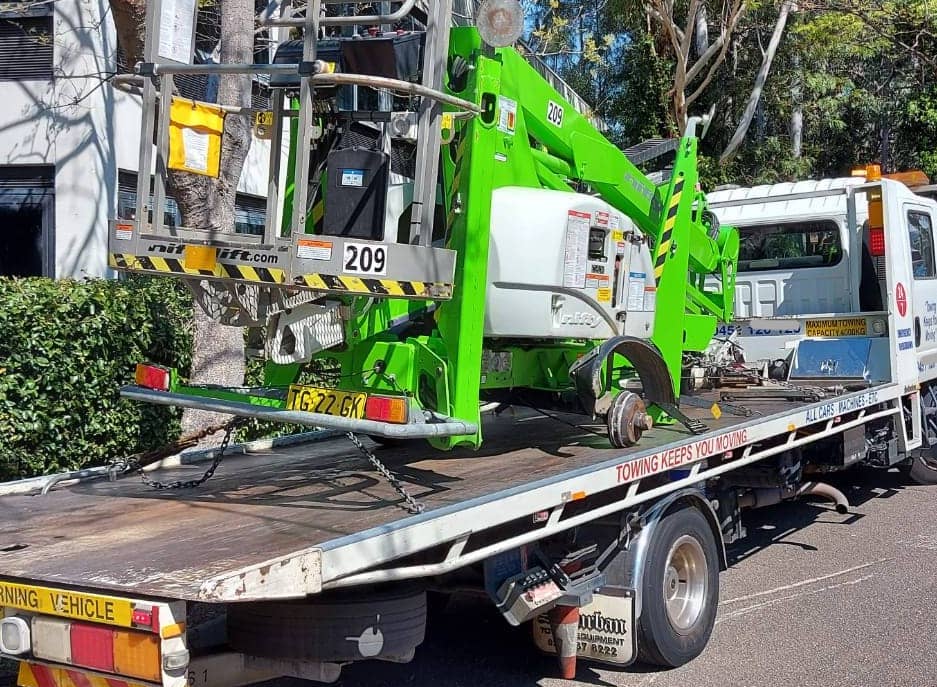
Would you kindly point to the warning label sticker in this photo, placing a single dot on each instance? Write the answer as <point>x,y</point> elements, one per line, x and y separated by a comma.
<point>636,294</point>
<point>577,249</point>
<point>310,249</point>
<point>507,117</point>
<point>650,298</point>
<point>849,326</point>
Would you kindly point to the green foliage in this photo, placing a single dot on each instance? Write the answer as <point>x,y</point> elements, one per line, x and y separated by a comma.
<point>66,349</point>
<point>860,76</point>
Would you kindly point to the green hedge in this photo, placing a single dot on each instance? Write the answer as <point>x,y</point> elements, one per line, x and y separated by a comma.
<point>65,349</point>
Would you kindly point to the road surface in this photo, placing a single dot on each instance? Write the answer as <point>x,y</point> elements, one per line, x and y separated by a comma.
<point>811,598</point>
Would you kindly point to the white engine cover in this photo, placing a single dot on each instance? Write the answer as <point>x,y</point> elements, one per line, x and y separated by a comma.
<point>566,265</point>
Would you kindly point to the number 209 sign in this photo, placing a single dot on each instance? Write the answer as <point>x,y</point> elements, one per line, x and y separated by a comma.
<point>365,258</point>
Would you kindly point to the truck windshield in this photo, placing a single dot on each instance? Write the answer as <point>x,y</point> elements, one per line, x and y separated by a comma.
<point>789,245</point>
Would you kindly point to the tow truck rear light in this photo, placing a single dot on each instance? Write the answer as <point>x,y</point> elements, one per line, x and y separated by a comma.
<point>52,639</point>
<point>137,654</point>
<point>93,647</point>
<point>876,223</point>
<point>14,636</point>
<point>123,652</point>
<point>877,241</point>
<point>153,377</point>
<point>386,409</point>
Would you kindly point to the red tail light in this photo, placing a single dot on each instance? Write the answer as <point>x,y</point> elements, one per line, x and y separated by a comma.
<point>93,647</point>
<point>386,409</point>
<point>153,377</point>
<point>877,241</point>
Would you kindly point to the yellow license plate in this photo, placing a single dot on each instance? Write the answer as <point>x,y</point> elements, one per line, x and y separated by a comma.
<point>849,326</point>
<point>313,399</point>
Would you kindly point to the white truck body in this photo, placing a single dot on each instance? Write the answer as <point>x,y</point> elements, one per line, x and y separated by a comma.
<point>805,257</point>
<point>278,533</point>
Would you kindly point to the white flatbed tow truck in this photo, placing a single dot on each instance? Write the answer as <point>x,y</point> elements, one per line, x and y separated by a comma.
<point>295,561</point>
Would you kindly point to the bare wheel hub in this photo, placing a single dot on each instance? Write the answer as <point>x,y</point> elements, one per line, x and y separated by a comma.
<point>627,419</point>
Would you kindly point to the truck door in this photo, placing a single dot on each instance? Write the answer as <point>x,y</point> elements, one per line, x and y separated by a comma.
<point>920,221</point>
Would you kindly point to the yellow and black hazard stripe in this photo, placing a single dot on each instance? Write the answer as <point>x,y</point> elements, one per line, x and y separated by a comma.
<point>376,287</point>
<point>267,275</point>
<point>152,263</point>
<point>663,247</point>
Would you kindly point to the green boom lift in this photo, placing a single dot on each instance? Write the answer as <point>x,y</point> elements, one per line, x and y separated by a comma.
<point>470,242</point>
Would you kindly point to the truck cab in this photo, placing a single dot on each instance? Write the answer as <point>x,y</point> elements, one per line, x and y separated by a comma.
<point>811,262</point>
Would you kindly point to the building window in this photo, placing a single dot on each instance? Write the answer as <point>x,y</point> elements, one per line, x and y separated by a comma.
<point>27,221</point>
<point>789,245</point>
<point>921,235</point>
<point>26,43</point>
<point>249,211</point>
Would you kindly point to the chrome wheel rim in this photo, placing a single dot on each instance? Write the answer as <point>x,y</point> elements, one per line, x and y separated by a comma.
<point>685,583</point>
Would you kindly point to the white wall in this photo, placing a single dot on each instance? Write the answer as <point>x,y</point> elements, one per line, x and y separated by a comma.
<point>87,130</point>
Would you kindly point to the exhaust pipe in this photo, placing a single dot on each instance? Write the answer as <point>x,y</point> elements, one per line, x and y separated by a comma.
<point>760,498</point>
<point>826,491</point>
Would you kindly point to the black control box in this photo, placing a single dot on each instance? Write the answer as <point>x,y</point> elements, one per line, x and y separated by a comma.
<point>356,193</point>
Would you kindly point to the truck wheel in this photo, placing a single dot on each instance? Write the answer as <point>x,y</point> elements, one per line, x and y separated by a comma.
<point>923,468</point>
<point>339,626</point>
<point>627,419</point>
<point>680,590</point>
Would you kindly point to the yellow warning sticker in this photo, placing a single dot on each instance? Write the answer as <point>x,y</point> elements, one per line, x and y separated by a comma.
<point>604,294</point>
<point>848,326</point>
<point>92,607</point>
<point>263,118</point>
<point>716,411</point>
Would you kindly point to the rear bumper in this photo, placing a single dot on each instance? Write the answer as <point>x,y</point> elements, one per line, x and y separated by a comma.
<point>432,427</point>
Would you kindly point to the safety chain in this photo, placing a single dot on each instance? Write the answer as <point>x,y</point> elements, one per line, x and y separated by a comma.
<point>191,483</point>
<point>413,506</point>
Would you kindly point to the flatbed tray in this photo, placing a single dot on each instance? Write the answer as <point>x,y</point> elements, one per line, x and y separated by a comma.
<point>248,532</point>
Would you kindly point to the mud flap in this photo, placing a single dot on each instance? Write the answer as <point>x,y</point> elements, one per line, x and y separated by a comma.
<point>595,392</point>
<point>606,628</point>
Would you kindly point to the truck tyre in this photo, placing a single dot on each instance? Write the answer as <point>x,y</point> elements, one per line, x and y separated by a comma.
<point>680,590</point>
<point>923,468</point>
<point>351,625</point>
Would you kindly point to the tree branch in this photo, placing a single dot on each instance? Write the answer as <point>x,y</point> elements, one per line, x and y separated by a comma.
<point>742,130</point>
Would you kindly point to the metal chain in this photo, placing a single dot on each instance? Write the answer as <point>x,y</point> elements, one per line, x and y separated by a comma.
<point>413,506</point>
<point>192,483</point>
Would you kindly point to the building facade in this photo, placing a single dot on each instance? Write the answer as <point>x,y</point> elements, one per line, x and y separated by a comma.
<point>69,141</point>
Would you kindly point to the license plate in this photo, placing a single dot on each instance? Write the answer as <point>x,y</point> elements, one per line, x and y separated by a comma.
<point>849,326</point>
<point>606,628</point>
<point>313,399</point>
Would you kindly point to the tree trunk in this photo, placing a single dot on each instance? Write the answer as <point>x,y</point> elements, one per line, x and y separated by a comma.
<point>207,203</point>
<point>701,36</point>
<point>797,111</point>
<point>130,24</point>
<point>740,132</point>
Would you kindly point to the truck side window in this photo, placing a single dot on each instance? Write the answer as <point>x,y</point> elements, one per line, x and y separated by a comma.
<point>789,245</point>
<point>921,236</point>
